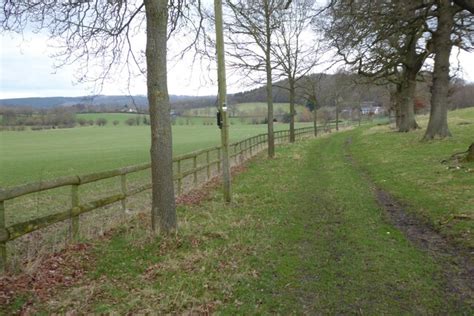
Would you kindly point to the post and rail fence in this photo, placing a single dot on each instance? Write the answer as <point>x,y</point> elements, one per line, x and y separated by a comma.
<point>184,166</point>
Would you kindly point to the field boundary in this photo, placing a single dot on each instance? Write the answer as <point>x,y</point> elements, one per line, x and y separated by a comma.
<point>184,166</point>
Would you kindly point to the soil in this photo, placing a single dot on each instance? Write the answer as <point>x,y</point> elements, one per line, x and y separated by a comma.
<point>457,263</point>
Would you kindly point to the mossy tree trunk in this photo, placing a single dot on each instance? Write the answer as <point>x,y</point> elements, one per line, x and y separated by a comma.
<point>163,200</point>
<point>438,123</point>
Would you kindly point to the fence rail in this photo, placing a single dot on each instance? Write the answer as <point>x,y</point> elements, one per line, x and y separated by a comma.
<point>184,166</point>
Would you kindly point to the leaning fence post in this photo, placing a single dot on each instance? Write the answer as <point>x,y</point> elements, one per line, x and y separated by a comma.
<point>123,184</point>
<point>74,219</point>
<point>3,244</point>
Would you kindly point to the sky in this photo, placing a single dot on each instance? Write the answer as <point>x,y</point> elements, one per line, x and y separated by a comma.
<point>27,70</point>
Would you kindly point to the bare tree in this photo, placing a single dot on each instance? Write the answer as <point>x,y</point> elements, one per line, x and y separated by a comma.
<point>251,27</point>
<point>163,200</point>
<point>311,87</point>
<point>295,48</point>
<point>101,33</point>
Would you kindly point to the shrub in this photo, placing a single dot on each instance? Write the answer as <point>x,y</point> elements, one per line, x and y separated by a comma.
<point>82,121</point>
<point>115,122</point>
<point>286,118</point>
<point>101,121</point>
<point>90,122</point>
<point>131,121</point>
<point>304,116</point>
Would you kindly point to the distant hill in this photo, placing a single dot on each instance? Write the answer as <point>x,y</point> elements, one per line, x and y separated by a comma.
<point>118,100</point>
<point>328,85</point>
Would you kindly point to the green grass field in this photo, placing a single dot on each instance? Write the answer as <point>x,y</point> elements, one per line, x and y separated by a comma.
<point>35,155</point>
<point>248,109</point>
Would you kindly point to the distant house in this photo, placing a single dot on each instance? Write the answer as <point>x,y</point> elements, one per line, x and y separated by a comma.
<point>128,109</point>
<point>367,108</point>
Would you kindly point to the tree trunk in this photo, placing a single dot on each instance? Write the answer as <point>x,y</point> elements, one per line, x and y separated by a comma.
<point>268,69</point>
<point>337,115</point>
<point>315,123</point>
<point>438,123</point>
<point>395,105</point>
<point>292,109</point>
<point>406,96</point>
<point>163,199</point>
<point>360,115</point>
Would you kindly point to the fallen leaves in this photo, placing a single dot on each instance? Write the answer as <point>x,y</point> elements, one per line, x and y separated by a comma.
<point>65,268</point>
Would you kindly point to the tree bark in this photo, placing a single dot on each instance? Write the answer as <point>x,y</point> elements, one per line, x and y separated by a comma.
<point>292,109</point>
<point>395,106</point>
<point>438,123</point>
<point>163,199</point>
<point>406,96</point>
<point>268,69</point>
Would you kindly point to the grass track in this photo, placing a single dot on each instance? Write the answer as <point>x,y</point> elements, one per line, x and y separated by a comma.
<point>412,171</point>
<point>303,235</point>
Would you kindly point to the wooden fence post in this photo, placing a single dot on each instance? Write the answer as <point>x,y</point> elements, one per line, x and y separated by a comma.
<point>74,219</point>
<point>208,162</point>
<point>195,171</point>
<point>3,244</point>
<point>123,184</point>
<point>238,153</point>
<point>180,179</point>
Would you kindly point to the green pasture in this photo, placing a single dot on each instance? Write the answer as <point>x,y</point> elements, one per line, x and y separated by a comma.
<point>35,155</point>
<point>247,109</point>
<point>121,117</point>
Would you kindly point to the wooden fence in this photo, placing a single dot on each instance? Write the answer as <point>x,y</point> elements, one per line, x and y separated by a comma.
<point>184,166</point>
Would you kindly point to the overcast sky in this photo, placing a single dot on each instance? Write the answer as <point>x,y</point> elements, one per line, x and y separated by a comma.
<point>27,70</point>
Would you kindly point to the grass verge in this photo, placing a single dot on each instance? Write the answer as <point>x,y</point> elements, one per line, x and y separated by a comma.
<point>441,194</point>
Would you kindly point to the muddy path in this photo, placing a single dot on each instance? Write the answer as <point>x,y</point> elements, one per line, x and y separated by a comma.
<point>457,263</point>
